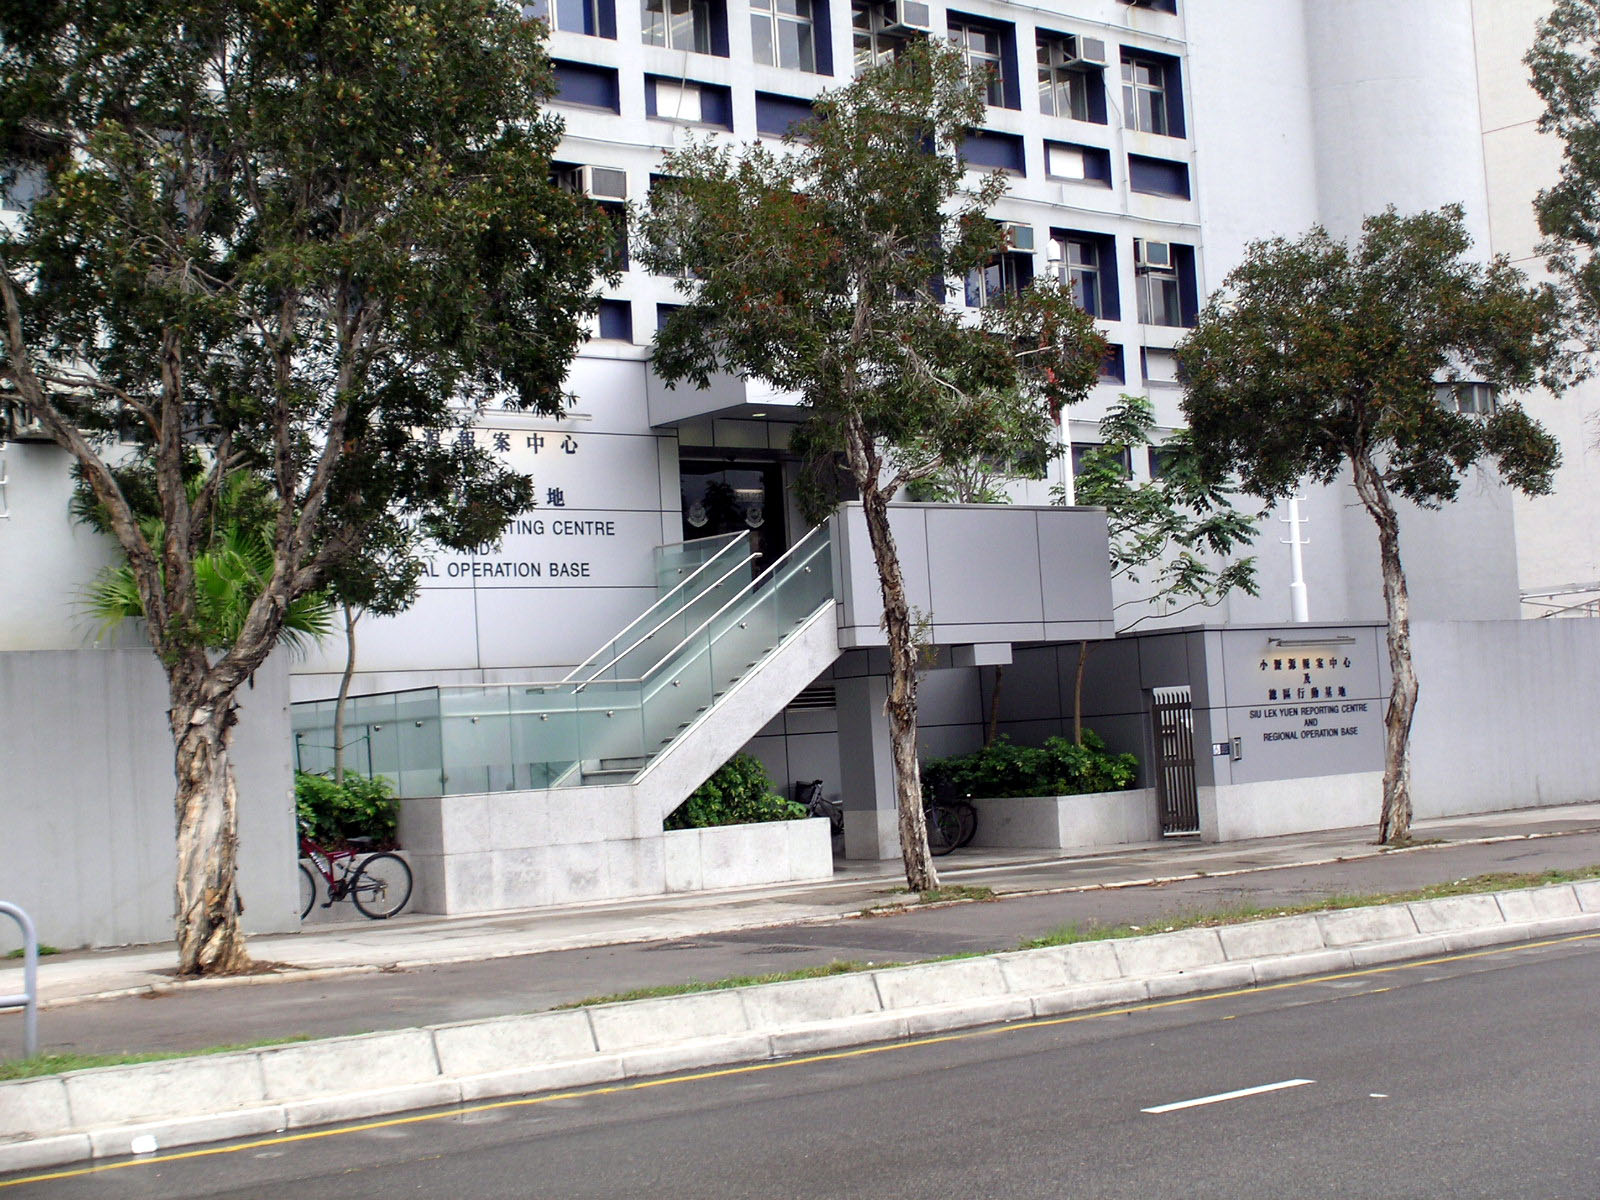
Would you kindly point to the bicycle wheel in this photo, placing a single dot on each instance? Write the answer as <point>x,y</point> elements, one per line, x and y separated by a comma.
<point>968,812</point>
<point>308,891</point>
<point>944,829</point>
<point>381,886</point>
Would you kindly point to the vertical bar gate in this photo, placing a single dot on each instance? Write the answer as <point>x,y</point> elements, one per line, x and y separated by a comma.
<point>1172,716</point>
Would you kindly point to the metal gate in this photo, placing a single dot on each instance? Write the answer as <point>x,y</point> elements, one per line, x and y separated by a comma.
<point>1173,719</point>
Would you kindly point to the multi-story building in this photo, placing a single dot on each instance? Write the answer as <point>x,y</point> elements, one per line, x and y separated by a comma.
<point>1146,142</point>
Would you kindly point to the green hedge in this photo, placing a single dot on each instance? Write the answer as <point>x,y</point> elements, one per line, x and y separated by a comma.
<point>1058,768</point>
<point>359,807</point>
<point>738,793</point>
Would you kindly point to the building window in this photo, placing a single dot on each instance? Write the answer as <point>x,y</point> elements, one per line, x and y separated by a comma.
<point>614,321</point>
<point>1150,101</point>
<point>1472,399</point>
<point>983,47</point>
<point>1164,279</point>
<point>692,103</point>
<point>783,34</point>
<point>1075,261</point>
<point>677,24</point>
<point>777,115</point>
<point>1006,274</point>
<point>1158,177</point>
<point>1066,83</point>
<point>1084,164</point>
<point>1081,450</point>
<point>596,18</point>
<point>876,36</point>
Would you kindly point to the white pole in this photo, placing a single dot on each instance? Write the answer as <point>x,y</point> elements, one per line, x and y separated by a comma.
<point>1298,603</point>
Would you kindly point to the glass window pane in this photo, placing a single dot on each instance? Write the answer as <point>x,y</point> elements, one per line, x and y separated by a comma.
<point>761,37</point>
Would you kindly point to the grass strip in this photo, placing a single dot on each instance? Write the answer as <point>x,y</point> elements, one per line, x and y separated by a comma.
<point>1499,881</point>
<point>43,950</point>
<point>56,1064</point>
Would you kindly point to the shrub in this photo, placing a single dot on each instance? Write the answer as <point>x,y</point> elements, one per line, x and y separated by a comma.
<point>359,807</point>
<point>1058,768</point>
<point>738,793</point>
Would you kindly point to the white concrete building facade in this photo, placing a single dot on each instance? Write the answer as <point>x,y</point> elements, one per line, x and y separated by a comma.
<point>1146,143</point>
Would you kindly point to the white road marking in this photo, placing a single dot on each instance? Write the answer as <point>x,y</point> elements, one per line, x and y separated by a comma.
<point>1221,1096</point>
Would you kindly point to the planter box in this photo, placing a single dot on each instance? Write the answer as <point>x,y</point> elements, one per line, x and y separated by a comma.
<point>1069,822</point>
<point>512,850</point>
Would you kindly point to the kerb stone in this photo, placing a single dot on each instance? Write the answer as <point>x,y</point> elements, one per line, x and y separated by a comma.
<point>507,1043</point>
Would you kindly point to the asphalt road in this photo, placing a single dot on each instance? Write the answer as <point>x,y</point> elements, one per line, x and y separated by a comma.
<point>464,991</point>
<point>1464,1078</point>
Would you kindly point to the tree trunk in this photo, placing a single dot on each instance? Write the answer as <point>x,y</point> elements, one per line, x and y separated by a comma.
<point>1394,821</point>
<point>1077,693</point>
<point>208,905</point>
<point>901,705</point>
<point>350,620</point>
<point>994,705</point>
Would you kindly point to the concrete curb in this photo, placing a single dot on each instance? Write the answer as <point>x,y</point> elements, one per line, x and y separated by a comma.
<point>103,1112</point>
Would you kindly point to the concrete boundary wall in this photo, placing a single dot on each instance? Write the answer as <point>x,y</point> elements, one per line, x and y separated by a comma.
<point>86,794</point>
<point>99,1113</point>
<point>1505,715</point>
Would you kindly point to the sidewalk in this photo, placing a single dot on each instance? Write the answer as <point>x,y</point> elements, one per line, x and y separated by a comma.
<point>357,977</point>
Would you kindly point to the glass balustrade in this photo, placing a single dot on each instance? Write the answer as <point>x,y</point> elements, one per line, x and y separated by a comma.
<point>632,698</point>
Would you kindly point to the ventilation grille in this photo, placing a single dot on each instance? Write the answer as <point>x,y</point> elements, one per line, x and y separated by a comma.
<point>820,696</point>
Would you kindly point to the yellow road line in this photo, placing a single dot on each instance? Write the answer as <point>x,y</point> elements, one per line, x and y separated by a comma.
<point>752,1068</point>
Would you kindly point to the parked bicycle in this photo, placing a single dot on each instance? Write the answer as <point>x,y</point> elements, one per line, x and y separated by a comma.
<point>944,827</point>
<point>379,885</point>
<point>808,792</point>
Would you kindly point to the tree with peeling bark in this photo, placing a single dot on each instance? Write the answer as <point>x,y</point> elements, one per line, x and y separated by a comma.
<point>1379,359</point>
<point>824,268</point>
<point>297,240</point>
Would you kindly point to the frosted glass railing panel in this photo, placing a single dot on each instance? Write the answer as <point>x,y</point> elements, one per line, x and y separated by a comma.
<point>609,725</point>
<point>420,769</point>
<point>637,661</point>
<point>722,564</point>
<point>677,562</point>
<point>674,696</point>
<point>544,735</point>
<point>475,731</point>
<point>375,717</point>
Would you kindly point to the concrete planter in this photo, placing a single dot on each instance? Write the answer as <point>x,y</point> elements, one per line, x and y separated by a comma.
<point>1069,822</point>
<point>507,850</point>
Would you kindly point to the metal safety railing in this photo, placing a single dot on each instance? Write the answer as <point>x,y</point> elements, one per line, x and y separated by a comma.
<point>28,1000</point>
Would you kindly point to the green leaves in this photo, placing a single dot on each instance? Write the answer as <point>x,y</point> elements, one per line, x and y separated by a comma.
<point>823,269</point>
<point>1315,354</point>
<point>298,239</point>
<point>738,793</point>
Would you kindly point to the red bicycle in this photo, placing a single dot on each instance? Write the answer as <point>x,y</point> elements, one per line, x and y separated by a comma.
<point>379,885</point>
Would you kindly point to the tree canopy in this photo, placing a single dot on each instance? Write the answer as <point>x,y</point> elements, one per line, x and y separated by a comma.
<point>1565,66</point>
<point>1394,359</point>
<point>300,240</point>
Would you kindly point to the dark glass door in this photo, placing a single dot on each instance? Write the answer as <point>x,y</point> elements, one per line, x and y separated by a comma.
<point>735,497</point>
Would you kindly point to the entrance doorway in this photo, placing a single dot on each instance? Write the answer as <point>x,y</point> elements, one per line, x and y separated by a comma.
<point>721,497</point>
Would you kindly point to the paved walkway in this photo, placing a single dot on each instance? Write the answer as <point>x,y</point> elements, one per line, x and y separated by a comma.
<point>346,978</point>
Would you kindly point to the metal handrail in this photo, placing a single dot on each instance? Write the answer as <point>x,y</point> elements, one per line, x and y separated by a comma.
<point>28,1000</point>
<point>656,628</point>
<point>733,540</point>
<point>755,583</point>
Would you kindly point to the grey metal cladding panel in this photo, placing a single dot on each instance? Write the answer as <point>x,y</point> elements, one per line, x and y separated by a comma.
<point>984,564</point>
<point>1032,686</point>
<point>1245,650</point>
<point>863,597</point>
<point>1110,678</point>
<point>1164,660</point>
<point>1073,565</point>
<point>669,405</point>
<point>1077,631</point>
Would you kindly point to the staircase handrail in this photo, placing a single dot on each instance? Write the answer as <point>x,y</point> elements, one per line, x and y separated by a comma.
<point>706,624</point>
<point>733,540</point>
<point>656,628</point>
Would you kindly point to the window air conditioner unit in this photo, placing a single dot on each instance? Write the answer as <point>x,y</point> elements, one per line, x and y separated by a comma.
<point>603,183</point>
<point>1088,52</point>
<point>1152,254</point>
<point>1019,236</point>
<point>17,426</point>
<point>911,16</point>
